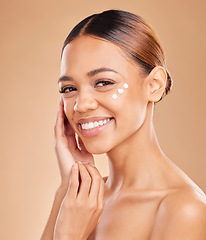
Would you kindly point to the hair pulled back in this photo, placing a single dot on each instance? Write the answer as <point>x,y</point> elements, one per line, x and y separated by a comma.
<point>128,31</point>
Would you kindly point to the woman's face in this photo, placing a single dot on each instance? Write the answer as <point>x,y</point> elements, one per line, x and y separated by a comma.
<point>92,81</point>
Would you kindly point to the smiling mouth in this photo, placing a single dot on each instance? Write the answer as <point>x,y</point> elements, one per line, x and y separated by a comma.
<point>92,129</point>
<point>95,124</point>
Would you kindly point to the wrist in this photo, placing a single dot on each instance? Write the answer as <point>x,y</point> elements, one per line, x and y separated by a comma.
<point>61,191</point>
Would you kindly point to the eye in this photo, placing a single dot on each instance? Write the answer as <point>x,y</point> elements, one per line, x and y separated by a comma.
<point>67,89</point>
<point>103,83</point>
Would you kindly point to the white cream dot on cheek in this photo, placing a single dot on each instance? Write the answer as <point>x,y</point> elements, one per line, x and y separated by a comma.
<point>114,96</point>
<point>120,90</point>
<point>125,85</point>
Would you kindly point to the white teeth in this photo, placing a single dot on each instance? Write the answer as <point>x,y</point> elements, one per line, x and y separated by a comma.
<point>91,125</point>
<point>96,124</point>
<point>101,123</point>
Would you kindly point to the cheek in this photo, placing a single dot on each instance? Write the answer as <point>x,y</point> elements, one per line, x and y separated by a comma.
<point>114,105</point>
<point>129,108</point>
<point>118,96</point>
<point>122,90</point>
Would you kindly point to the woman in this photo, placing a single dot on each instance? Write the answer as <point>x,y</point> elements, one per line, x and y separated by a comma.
<point>112,74</point>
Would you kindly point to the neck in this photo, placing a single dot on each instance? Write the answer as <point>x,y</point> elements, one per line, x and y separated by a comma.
<point>137,161</point>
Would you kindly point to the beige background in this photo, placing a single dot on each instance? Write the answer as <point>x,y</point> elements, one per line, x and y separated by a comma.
<point>32,33</point>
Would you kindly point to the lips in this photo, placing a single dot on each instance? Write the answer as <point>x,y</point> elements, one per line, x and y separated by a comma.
<point>95,130</point>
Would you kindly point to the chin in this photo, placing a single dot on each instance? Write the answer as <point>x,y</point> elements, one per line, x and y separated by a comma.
<point>100,150</point>
<point>95,148</point>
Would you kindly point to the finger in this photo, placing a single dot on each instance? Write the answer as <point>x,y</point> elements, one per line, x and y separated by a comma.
<point>73,182</point>
<point>96,182</point>
<point>68,128</point>
<point>99,220</point>
<point>58,129</point>
<point>69,133</point>
<point>60,102</point>
<point>85,182</point>
<point>101,195</point>
<point>84,153</point>
<point>100,203</point>
<point>63,128</point>
<point>81,144</point>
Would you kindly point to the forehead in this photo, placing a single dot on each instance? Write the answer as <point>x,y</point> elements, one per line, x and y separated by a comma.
<point>86,53</point>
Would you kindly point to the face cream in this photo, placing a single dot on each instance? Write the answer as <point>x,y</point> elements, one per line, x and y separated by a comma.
<point>120,91</point>
<point>114,96</point>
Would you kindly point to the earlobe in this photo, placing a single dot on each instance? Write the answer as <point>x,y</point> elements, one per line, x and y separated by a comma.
<point>157,83</point>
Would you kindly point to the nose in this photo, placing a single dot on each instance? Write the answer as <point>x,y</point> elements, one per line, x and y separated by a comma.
<point>84,103</point>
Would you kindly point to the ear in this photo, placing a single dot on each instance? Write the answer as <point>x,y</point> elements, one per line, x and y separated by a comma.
<point>156,83</point>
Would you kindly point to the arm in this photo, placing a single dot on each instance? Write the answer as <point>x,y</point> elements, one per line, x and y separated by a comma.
<point>49,228</point>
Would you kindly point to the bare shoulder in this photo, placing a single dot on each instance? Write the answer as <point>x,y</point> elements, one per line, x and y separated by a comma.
<point>182,214</point>
<point>186,202</point>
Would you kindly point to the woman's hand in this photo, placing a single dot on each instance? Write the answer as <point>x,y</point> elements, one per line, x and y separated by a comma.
<point>67,153</point>
<point>66,147</point>
<point>82,206</point>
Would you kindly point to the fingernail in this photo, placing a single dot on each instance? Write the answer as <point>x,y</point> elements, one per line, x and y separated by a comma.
<point>75,166</point>
<point>83,162</point>
<point>92,164</point>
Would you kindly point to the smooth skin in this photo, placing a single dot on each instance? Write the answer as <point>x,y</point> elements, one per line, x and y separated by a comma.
<point>145,196</point>
<point>84,207</point>
<point>76,195</point>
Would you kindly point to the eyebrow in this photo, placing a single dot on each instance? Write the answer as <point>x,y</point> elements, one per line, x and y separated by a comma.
<point>89,74</point>
<point>64,78</point>
<point>99,70</point>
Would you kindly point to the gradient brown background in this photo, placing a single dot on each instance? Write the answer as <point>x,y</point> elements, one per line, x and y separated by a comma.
<point>32,33</point>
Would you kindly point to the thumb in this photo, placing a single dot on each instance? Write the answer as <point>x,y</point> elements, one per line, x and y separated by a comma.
<point>81,145</point>
<point>99,220</point>
<point>87,156</point>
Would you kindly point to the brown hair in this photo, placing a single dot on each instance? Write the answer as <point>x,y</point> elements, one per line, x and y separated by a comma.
<point>128,31</point>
